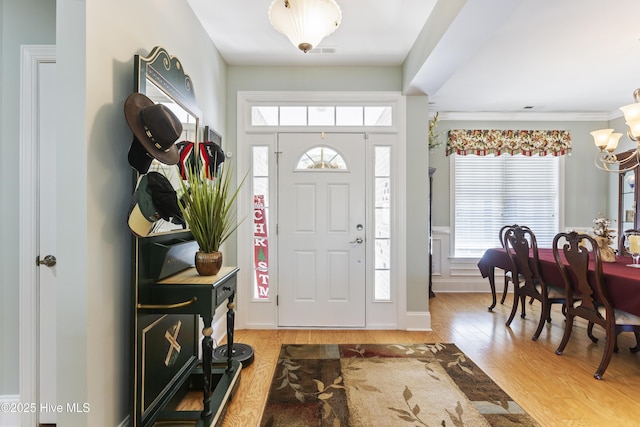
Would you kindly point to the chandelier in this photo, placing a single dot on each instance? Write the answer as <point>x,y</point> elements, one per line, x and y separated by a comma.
<point>305,22</point>
<point>607,141</point>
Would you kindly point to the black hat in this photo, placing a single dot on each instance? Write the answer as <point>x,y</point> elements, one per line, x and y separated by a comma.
<point>153,199</point>
<point>154,126</point>
<point>139,158</point>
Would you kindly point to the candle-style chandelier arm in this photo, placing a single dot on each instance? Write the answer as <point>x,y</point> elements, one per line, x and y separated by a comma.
<point>607,141</point>
<point>609,162</point>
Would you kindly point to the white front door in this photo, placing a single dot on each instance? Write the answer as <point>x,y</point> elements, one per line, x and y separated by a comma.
<point>321,230</point>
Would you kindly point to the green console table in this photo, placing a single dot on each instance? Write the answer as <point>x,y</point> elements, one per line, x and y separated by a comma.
<point>190,293</point>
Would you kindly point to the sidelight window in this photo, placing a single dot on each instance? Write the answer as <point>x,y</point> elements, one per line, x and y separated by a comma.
<point>382,224</point>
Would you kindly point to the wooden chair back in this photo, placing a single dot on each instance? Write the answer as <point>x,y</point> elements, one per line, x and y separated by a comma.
<point>521,246</point>
<point>583,274</point>
<point>622,250</point>
<point>503,230</point>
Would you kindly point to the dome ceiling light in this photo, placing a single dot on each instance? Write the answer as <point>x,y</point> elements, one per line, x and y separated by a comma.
<point>305,22</point>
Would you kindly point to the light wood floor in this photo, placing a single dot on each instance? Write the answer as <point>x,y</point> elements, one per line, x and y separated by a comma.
<point>555,390</point>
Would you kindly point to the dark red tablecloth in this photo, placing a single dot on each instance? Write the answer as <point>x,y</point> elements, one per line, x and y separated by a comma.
<point>622,282</point>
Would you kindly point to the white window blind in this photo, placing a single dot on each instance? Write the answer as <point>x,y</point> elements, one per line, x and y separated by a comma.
<point>491,191</point>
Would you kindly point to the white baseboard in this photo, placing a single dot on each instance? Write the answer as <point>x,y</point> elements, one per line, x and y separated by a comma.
<point>9,417</point>
<point>381,326</point>
<point>261,325</point>
<point>219,329</point>
<point>460,286</point>
<point>418,321</point>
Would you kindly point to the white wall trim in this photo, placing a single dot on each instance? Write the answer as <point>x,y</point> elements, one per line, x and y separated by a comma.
<point>418,321</point>
<point>10,418</point>
<point>526,116</point>
<point>400,249</point>
<point>31,57</point>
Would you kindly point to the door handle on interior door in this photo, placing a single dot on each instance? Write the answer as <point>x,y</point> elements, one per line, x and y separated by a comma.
<point>358,240</point>
<point>48,260</point>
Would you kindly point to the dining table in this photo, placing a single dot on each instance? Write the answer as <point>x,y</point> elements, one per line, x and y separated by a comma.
<point>621,281</point>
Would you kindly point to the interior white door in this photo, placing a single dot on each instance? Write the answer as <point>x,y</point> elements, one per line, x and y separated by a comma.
<point>47,270</point>
<point>321,230</point>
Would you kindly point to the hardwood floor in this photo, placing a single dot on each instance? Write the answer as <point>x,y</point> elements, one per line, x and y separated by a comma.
<point>555,390</point>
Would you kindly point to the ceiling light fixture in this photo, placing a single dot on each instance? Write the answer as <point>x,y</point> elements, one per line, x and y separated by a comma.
<point>305,22</point>
<point>607,141</point>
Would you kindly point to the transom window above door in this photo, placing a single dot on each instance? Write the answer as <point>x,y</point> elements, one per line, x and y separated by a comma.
<point>321,115</point>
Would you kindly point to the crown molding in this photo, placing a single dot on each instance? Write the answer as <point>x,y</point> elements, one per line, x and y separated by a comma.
<point>525,116</point>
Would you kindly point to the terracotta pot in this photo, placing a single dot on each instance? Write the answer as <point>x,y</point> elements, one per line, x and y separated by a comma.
<point>208,263</point>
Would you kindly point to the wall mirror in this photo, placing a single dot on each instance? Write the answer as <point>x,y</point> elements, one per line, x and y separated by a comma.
<point>162,79</point>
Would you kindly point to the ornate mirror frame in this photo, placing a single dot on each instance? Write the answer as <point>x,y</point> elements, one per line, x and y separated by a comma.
<point>161,77</point>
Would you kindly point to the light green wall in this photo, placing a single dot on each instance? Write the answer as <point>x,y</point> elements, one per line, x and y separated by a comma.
<point>367,79</point>
<point>417,215</point>
<point>96,324</point>
<point>96,44</point>
<point>587,190</point>
<point>21,22</point>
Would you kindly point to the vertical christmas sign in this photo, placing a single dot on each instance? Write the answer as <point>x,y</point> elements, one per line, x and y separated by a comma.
<point>260,246</point>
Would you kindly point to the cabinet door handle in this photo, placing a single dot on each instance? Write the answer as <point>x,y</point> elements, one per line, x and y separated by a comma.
<point>167,306</point>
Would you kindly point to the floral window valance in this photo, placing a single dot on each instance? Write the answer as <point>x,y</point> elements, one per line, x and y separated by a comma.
<point>527,142</point>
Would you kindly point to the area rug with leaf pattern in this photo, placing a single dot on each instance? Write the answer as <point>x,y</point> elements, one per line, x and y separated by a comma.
<point>385,385</point>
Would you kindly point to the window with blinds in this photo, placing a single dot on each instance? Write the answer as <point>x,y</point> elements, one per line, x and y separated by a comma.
<point>492,191</point>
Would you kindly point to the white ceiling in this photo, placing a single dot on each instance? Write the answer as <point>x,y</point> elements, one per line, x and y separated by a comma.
<point>571,56</point>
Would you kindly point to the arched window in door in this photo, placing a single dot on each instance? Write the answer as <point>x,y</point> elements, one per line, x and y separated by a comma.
<point>321,158</point>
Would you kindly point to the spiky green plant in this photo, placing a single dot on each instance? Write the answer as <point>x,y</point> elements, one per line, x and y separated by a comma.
<point>208,207</point>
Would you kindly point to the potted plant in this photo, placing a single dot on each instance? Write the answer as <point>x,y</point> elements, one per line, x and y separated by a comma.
<point>208,208</point>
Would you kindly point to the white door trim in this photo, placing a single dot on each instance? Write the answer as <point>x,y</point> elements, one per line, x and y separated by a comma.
<point>262,313</point>
<point>31,57</point>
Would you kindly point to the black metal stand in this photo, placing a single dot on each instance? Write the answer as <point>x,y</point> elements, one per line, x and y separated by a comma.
<point>243,353</point>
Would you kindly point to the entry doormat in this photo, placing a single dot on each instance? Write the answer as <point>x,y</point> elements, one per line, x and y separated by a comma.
<point>387,385</point>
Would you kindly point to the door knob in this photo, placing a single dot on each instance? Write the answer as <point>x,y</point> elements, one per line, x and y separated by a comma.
<point>48,260</point>
<point>358,240</point>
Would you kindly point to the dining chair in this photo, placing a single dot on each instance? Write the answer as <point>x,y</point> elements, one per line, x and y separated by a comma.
<point>522,248</point>
<point>622,250</point>
<point>508,275</point>
<point>582,273</point>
